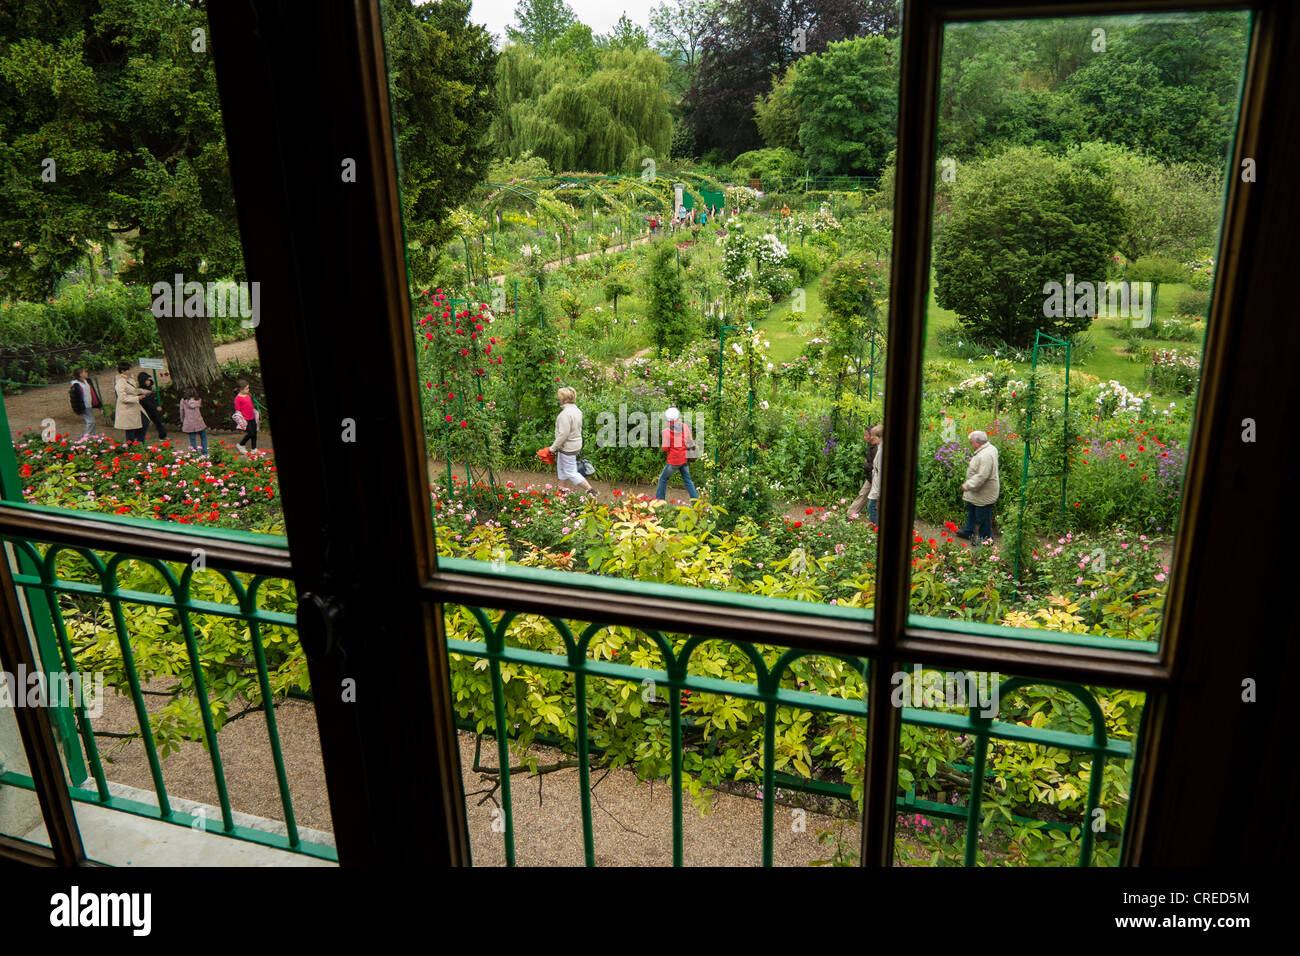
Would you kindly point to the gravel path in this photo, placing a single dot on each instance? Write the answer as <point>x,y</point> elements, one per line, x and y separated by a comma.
<point>27,410</point>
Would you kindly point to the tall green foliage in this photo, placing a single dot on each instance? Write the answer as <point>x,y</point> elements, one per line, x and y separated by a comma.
<point>440,69</point>
<point>1018,222</point>
<point>777,114</point>
<point>848,101</point>
<point>677,32</point>
<point>115,96</point>
<point>626,35</point>
<point>541,22</point>
<point>605,121</point>
<point>852,292</point>
<point>121,96</point>
<point>1171,210</point>
<point>666,299</point>
<point>1167,86</point>
<point>748,42</point>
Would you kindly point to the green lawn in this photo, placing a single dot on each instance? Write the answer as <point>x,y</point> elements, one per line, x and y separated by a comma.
<point>1105,356</point>
<point>787,337</point>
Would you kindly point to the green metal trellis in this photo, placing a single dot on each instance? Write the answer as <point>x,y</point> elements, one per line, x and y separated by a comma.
<point>1042,342</point>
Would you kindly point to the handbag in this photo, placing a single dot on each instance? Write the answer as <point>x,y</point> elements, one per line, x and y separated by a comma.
<point>586,468</point>
<point>241,423</point>
<point>692,450</point>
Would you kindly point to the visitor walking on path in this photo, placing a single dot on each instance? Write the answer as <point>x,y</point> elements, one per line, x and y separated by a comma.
<point>84,400</point>
<point>677,439</point>
<point>244,410</point>
<point>192,421</point>
<point>980,489</point>
<point>568,441</point>
<point>869,494</point>
<point>128,416</point>
<point>149,403</point>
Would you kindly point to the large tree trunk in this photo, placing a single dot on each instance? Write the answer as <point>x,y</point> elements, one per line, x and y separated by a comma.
<point>189,350</point>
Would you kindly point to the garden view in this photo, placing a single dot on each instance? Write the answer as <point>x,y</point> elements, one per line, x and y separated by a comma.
<point>686,220</point>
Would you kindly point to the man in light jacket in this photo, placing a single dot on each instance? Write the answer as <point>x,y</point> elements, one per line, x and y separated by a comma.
<point>568,441</point>
<point>980,489</point>
<point>128,414</point>
<point>869,494</point>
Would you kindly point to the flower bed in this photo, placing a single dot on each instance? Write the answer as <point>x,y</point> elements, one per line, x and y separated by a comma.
<point>1174,371</point>
<point>164,481</point>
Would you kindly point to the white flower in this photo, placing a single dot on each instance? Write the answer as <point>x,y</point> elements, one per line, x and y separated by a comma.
<point>770,366</point>
<point>737,349</point>
<point>763,405</point>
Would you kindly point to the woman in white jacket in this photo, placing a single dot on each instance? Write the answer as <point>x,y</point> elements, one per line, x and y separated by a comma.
<point>568,441</point>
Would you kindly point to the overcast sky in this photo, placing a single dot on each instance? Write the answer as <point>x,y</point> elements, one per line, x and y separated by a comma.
<point>600,15</point>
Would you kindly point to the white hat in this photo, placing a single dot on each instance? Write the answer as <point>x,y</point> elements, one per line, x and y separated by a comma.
<point>672,414</point>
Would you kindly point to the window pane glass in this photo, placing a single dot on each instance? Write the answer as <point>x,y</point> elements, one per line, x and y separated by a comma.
<point>228,746</point>
<point>1079,196</point>
<point>121,246</point>
<point>644,717</point>
<point>707,277</point>
<point>1041,801</point>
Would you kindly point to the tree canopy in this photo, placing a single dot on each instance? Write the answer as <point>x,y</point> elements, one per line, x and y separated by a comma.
<point>604,121</point>
<point>120,98</point>
<point>745,44</point>
<point>440,69</point>
<point>1020,221</point>
<point>848,99</point>
<point>1164,85</point>
<point>540,23</point>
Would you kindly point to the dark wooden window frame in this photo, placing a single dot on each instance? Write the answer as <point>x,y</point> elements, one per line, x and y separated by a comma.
<point>299,95</point>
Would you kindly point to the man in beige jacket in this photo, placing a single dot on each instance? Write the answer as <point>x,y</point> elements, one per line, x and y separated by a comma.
<point>869,494</point>
<point>980,489</point>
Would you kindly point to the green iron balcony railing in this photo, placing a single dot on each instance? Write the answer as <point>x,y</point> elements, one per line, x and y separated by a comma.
<point>205,628</point>
<point>586,655</point>
<point>757,689</point>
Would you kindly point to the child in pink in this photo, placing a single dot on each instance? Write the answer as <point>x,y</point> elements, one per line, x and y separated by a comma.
<point>192,422</point>
<point>244,406</point>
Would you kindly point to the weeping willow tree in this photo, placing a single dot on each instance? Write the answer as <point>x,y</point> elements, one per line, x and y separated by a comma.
<point>606,121</point>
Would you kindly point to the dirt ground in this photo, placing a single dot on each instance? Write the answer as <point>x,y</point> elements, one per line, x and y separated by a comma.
<point>28,409</point>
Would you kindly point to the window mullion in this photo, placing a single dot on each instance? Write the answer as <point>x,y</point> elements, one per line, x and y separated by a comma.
<point>909,284</point>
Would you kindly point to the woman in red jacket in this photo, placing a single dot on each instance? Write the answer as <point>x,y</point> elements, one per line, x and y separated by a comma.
<point>676,438</point>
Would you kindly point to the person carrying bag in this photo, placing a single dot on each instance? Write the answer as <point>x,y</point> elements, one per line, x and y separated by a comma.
<point>677,439</point>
